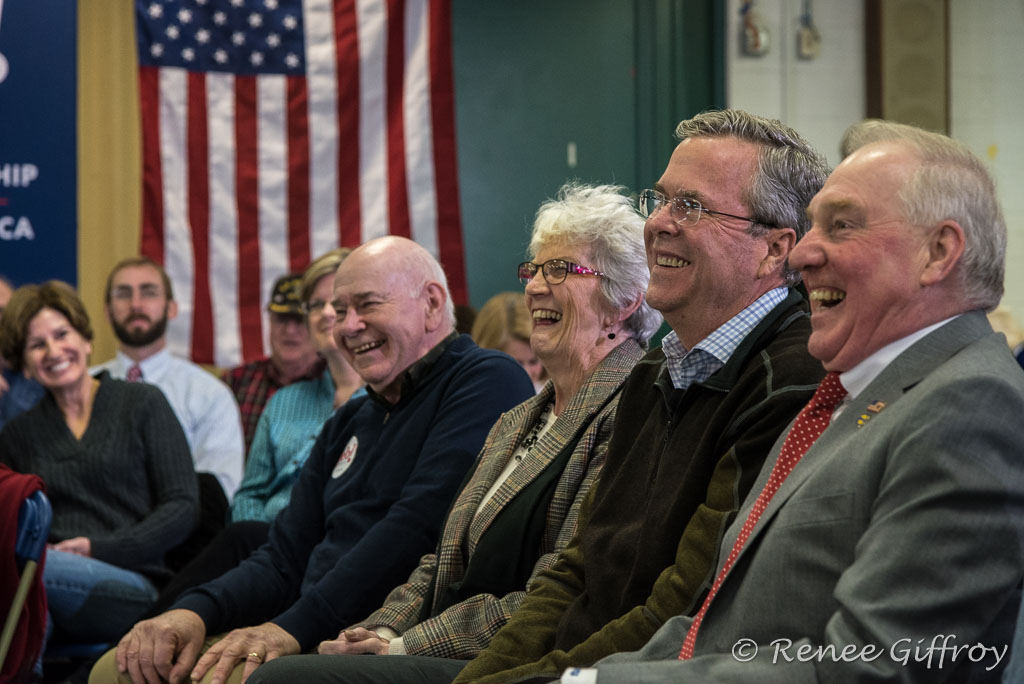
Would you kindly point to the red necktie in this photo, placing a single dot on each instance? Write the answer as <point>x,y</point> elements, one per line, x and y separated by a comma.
<point>134,374</point>
<point>809,425</point>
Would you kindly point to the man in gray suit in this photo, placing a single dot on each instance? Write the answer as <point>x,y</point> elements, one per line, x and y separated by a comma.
<point>893,549</point>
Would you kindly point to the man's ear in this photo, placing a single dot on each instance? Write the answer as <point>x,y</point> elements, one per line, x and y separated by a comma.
<point>945,245</point>
<point>172,309</point>
<point>779,243</point>
<point>435,299</point>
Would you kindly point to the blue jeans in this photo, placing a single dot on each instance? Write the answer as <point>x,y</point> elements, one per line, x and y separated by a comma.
<point>91,601</point>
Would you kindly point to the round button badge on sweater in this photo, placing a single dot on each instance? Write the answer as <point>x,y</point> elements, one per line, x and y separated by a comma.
<point>346,458</point>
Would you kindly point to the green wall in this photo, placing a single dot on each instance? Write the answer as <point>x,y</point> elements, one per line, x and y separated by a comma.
<point>612,77</point>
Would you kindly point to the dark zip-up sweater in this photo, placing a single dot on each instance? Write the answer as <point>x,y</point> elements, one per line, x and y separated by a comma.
<point>370,499</point>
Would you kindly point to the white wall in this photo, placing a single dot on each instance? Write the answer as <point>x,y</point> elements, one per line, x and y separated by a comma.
<point>820,98</point>
<point>987,111</point>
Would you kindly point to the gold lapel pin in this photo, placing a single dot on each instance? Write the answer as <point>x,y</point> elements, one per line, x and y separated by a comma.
<point>873,407</point>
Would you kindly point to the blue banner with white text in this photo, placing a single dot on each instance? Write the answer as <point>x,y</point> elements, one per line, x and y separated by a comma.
<point>38,158</point>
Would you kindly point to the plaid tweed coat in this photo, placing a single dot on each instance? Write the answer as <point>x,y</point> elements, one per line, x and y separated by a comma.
<point>464,629</point>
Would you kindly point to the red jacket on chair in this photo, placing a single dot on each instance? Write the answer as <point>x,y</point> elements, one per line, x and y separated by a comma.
<point>28,637</point>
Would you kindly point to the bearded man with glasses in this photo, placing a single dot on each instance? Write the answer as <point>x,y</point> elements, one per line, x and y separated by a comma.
<point>698,416</point>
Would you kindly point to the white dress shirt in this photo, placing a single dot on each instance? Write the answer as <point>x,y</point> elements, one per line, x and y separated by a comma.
<point>205,407</point>
<point>857,379</point>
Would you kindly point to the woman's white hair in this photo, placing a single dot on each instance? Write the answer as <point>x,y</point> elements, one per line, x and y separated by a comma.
<point>606,222</point>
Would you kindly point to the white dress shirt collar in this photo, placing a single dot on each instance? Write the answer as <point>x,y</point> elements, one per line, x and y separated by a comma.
<point>153,367</point>
<point>857,379</point>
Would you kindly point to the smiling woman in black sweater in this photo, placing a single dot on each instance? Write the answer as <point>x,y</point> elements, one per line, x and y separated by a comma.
<point>115,461</point>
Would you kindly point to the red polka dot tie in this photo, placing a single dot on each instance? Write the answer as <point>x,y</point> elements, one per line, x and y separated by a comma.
<point>809,425</point>
<point>134,373</point>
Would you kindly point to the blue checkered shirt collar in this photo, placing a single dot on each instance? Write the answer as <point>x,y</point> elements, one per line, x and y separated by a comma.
<point>686,367</point>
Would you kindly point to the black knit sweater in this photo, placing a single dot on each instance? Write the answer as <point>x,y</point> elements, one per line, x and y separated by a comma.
<point>127,484</point>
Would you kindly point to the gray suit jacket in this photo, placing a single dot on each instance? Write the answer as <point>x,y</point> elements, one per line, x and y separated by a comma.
<point>892,539</point>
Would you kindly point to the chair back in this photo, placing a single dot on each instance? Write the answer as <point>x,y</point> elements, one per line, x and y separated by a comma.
<point>34,518</point>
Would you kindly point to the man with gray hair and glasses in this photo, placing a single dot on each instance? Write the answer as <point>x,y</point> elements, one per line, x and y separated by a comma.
<point>697,416</point>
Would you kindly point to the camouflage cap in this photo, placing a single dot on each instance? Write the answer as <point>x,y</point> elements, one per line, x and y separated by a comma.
<point>286,297</point>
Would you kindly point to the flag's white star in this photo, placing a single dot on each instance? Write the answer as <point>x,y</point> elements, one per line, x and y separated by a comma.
<point>237,37</point>
<point>200,2</point>
<point>270,4</point>
<point>237,3</point>
<point>172,32</point>
<point>219,18</point>
<point>203,36</point>
<point>156,11</point>
<point>221,56</point>
<point>291,60</point>
<point>255,20</point>
<point>184,15</point>
<point>256,58</point>
<point>290,22</point>
<point>188,54</point>
<point>273,40</point>
<point>156,49</point>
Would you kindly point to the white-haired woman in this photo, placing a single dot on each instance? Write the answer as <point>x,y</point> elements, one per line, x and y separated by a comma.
<point>585,289</point>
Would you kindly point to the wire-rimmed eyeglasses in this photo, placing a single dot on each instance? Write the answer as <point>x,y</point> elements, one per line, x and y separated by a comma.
<point>553,270</point>
<point>684,210</point>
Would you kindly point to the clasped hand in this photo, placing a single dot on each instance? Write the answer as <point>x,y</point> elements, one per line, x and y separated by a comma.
<point>80,546</point>
<point>355,641</point>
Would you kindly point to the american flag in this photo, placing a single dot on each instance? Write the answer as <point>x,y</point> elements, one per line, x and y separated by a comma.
<point>275,130</point>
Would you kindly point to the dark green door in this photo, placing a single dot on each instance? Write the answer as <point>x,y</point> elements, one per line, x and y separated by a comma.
<point>547,92</point>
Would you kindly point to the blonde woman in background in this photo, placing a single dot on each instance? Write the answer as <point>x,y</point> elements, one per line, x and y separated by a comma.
<point>504,323</point>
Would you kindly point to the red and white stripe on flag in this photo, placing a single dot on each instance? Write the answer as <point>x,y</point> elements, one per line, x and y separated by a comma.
<point>275,130</point>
